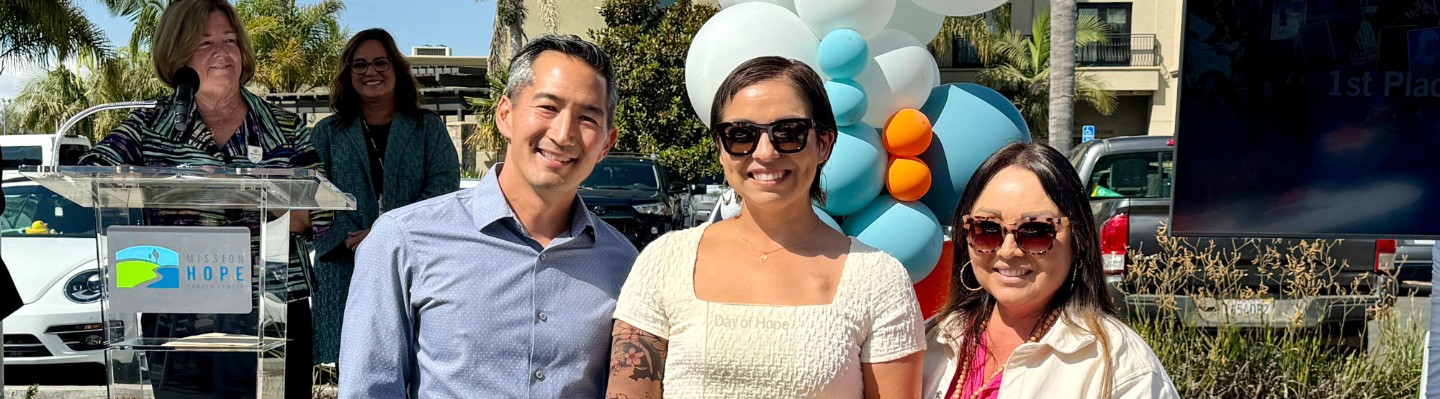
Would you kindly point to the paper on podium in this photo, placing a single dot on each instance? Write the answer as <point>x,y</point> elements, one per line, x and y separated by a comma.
<point>213,340</point>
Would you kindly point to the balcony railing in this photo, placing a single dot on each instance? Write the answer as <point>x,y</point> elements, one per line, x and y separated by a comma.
<point>1140,49</point>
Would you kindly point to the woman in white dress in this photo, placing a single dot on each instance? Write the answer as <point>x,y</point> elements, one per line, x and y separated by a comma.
<point>772,303</point>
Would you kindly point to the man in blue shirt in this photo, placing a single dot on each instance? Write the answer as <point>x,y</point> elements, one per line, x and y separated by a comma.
<point>505,289</point>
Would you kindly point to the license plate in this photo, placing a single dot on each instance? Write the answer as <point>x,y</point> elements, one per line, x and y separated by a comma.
<point>1249,308</point>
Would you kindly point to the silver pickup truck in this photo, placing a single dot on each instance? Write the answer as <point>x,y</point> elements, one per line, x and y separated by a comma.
<point>1130,179</point>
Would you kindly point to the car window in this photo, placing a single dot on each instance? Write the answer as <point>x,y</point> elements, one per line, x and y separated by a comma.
<point>622,175</point>
<point>70,154</point>
<point>26,205</point>
<point>16,156</point>
<point>1132,175</point>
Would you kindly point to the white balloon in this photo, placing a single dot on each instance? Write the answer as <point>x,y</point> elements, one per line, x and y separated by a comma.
<point>960,8</point>
<point>864,16</point>
<point>900,75</point>
<point>737,34</point>
<point>788,4</point>
<point>917,21</point>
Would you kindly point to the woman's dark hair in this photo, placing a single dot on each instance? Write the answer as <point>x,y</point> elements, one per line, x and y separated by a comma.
<point>1087,300</point>
<point>805,80</point>
<point>345,101</point>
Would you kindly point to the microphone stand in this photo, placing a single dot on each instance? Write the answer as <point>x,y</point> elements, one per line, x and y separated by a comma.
<point>75,119</point>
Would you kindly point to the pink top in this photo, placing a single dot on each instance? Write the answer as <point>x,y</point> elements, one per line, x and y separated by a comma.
<point>974,382</point>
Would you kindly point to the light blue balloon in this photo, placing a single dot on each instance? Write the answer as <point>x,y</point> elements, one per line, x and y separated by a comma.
<point>855,173</point>
<point>970,122</point>
<point>825,217</point>
<point>848,101</point>
<point>906,230</point>
<point>842,54</point>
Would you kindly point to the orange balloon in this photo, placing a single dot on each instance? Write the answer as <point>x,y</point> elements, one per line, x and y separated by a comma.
<point>934,289</point>
<point>907,179</point>
<point>907,133</point>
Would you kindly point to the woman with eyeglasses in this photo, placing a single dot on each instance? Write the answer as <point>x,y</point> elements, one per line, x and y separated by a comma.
<point>772,303</point>
<point>1029,313</point>
<point>381,147</point>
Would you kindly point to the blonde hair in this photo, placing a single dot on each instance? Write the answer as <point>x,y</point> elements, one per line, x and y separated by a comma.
<point>181,28</point>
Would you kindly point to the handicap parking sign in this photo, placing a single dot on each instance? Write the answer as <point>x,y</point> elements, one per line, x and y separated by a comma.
<point>1087,133</point>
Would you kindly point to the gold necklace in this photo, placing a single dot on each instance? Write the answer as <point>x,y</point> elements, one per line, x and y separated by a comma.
<point>765,255</point>
<point>1043,328</point>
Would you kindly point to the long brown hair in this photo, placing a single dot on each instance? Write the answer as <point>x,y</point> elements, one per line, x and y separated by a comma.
<point>345,101</point>
<point>1084,296</point>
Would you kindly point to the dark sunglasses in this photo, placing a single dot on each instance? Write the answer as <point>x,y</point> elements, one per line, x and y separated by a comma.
<point>740,139</point>
<point>1034,235</point>
<point>358,67</point>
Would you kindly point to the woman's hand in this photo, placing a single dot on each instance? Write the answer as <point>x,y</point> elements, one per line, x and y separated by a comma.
<point>353,239</point>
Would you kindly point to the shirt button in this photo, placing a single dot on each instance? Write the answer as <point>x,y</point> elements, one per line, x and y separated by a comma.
<point>542,256</point>
<point>539,375</point>
<point>542,316</point>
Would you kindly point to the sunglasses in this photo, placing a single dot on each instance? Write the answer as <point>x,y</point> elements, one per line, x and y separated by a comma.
<point>358,67</point>
<point>787,136</point>
<point>1034,235</point>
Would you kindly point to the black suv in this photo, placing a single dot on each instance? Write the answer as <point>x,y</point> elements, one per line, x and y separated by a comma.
<point>637,196</point>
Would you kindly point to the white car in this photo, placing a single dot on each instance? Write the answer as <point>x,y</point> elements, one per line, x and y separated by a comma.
<point>55,269</point>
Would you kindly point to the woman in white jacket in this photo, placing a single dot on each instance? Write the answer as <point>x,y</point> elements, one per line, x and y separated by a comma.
<point>1029,315</point>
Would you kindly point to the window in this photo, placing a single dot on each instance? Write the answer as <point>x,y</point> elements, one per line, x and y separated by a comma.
<point>1133,175</point>
<point>1114,49</point>
<point>623,175</point>
<point>17,156</point>
<point>25,205</point>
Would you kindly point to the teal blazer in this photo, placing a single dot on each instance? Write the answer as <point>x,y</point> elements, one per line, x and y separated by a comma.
<point>420,162</point>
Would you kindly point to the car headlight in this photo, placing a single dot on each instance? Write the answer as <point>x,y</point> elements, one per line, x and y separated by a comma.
<point>653,209</point>
<point>84,287</point>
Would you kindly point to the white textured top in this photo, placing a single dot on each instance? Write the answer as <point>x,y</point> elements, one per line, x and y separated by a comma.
<point>726,350</point>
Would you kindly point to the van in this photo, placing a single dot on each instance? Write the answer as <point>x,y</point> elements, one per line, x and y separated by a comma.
<point>39,150</point>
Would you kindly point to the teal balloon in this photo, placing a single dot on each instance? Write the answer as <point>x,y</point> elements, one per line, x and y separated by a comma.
<point>825,217</point>
<point>855,173</point>
<point>843,53</point>
<point>970,122</point>
<point>848,101</point>
<point>906,230</point>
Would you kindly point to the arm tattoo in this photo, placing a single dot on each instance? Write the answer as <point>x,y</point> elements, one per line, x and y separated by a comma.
<point>637,354</point>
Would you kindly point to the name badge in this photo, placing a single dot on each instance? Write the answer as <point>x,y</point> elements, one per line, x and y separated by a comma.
<point>254,153</point>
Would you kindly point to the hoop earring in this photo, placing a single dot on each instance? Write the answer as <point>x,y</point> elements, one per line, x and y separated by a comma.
<point>962,277</point>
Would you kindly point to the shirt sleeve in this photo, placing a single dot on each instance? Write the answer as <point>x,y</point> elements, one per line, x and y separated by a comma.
<point>377,340</point>
<point>122,145</point>
<point>896,328</point>
<point>641,302</point>
<point>1148,385</point>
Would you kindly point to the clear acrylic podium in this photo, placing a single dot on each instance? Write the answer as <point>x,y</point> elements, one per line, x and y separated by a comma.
<point>193,306</point>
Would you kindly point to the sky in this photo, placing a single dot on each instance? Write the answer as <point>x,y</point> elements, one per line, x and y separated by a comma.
<point>463,25</point>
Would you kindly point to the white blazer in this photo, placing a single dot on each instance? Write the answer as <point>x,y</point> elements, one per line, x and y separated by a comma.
<point>1064,364</point>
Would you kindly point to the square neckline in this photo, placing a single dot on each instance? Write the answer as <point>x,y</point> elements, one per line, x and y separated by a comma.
<point>840,286</point>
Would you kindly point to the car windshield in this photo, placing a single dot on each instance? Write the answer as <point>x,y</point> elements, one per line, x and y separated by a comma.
<point>34,211</point>
<point>617,174</point>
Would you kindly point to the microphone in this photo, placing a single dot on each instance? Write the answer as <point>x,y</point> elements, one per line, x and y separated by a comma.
<point>186,82</point>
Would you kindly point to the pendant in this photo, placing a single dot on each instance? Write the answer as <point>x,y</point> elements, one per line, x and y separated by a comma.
<point>763,257</point>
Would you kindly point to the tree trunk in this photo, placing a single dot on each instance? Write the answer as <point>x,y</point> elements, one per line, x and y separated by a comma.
<point>1062,74</point>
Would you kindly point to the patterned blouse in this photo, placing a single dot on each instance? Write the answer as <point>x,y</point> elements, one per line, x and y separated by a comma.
<point>269,137</point>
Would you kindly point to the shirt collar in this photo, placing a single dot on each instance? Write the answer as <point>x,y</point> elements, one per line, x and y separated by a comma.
<point>490,205</point>
<point>1062,337</point>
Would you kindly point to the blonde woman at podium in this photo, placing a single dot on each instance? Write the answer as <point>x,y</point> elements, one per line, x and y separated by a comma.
<point>224,126</point>
<point>381,147</point>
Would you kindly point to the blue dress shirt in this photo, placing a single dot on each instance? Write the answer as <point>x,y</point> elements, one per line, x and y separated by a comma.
<point>451,298</point>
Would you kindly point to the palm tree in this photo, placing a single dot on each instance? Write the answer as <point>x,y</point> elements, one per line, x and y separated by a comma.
<point>49,99</point>
<point>509,35</point>
<point>1023,68</point>
<point>40,31</point>
<point>487,136</point>
<point>297,48</point>
<point>979,31</point>
<point>1062,78</point>
<point>144,15</point>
